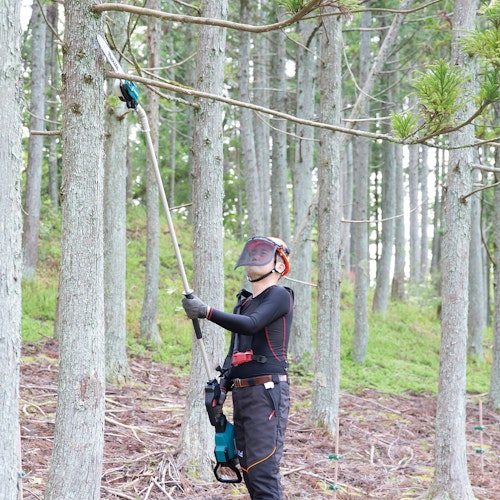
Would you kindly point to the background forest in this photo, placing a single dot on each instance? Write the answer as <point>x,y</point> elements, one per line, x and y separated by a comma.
<point>363,133</point>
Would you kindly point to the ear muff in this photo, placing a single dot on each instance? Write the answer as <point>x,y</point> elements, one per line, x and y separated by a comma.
<point>283,254</point>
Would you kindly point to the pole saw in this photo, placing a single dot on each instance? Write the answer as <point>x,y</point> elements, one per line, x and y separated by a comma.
<point>225,470</point>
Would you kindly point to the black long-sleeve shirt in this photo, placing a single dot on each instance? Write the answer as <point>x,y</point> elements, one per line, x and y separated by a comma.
<point>263,324</point>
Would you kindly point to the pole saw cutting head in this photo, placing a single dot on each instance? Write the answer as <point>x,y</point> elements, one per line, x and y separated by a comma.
<point>129,92</point>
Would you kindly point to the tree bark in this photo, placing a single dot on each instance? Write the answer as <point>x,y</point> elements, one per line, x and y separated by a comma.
<point>494,392</point>
<point>326,388</point>
<point>197,436</point>
<point>301,343</point>
<point>115,228</point>
<point>149,312</point>
<point>398,282</point>
<point>477,289</point>
<point>280,213</point>
<point>360,228</point>
<point>451,479</point>
<point>33,194</point>
<point>10,243</point>
<point>76,465</point>
<point>248,156</point>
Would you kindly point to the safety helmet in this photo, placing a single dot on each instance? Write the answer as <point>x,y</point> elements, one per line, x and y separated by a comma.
<point>260,250</point>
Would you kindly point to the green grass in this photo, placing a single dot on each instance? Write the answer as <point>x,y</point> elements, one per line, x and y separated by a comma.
<point>403,347</point>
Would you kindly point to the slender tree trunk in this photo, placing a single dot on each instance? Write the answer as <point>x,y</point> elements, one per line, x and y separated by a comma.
<point>494,393</point>
<point>53,76</point>
<point>280,214</point>
<point>326,388</point>
<point>33,195</point>
<point>384,265</point>
<point>360,228</point>
<point>301,344</point>
<point>10,243</point>
<point>196,441</point>
<point>76,465</point>
<point>414,215</point>
<point>261,129</point>
<point>115,227</point>
<point>451,479</point>
<point>248,157</point>
<point>149,312</point>
<point>436,239</point>
<point>477,289</point>
<point>424,211</point>
<point>398,282</point>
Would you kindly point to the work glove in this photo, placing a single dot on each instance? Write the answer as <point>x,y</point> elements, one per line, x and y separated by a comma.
<point>225,385</point>
<point>194,307</point>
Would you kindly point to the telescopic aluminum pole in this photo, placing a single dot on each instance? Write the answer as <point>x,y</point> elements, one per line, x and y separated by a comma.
<point>143,119</point>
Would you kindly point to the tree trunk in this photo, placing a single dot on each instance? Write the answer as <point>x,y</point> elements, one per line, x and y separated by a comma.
<point>384,265</point>
<point>301,344</point>
<point>398,282</point>
<point>451,479</point>
<point>413,163</point>
<point>149,312</point>
<point>197,435</point>
<point>115,227</point>
<point>326,388</point>
<point>53,77</point>
<point>33,195</point>
<point>477,290</point>
<point>10,243</point>
<point>360,228</point>
<point>494,393</point>
<point>75,469</point>
<point>280,213</point>
<point>261,122</point>
<point>424,211</point>
<point>248,157</point>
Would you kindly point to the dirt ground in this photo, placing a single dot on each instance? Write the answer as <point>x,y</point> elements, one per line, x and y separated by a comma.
<point>385,445</point>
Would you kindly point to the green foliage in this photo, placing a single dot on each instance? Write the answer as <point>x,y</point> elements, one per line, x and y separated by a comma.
<point>440,94</point>
<point>403,124</point>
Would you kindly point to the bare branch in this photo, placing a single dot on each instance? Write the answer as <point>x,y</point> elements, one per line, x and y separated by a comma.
<point>308,8</point>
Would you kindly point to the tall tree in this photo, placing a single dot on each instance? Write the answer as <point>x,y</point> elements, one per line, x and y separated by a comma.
<point>301,344</point>
<point>149,312</point>
<point>280,213</point>
<point>76,465</point>
<point>248,156</point>
<point>10,243</point>
<point>398,281</point>
<point>451,479</point>
<point>360,228</point>
<point>477,290</point>
<point>53,72</point>
<point>494,393</point>
<point>413,167</point>
<point>326,390</point>
<point>261,64</point>
<point>384,265</point>
<point>33,195</point>
<point>207,195</point>
<point>115,224</point>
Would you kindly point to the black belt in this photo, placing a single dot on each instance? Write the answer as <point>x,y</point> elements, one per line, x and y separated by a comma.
<point>262,379</point>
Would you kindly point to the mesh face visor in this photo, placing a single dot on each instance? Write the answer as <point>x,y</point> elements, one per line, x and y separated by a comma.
<point>258,251</point>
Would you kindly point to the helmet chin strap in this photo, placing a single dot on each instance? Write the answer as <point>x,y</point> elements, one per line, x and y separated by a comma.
<point>263,276</point>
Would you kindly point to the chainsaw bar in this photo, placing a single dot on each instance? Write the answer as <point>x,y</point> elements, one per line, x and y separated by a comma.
<point>129,90</point>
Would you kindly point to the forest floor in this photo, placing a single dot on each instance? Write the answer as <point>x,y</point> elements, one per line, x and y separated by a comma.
<point>385,446</point>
